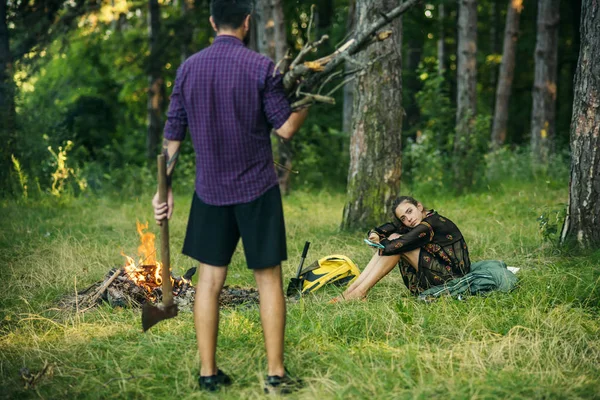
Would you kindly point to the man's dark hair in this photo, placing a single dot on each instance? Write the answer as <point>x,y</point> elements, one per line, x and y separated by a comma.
<point>230,13</point>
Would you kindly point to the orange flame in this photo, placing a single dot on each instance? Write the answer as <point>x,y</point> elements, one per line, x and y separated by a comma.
<point>146,250</point>
<point>147,272</point>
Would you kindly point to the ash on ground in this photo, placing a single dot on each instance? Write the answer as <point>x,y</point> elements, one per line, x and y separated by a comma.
<point>118,290</point>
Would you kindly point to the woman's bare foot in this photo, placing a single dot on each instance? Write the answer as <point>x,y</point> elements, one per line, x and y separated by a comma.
<point>354,295</point>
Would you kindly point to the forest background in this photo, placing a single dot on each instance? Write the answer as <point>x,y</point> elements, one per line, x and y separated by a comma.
<point>84,88</point>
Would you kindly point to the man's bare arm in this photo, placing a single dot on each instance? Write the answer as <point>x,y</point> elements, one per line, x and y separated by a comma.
<point>171,152</point>
<point>293,123</point>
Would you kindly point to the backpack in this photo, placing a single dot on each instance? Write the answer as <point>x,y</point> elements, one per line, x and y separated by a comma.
<point>333,269</point>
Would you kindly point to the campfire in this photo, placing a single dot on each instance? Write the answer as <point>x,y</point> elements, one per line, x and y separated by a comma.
<point>136,283</point>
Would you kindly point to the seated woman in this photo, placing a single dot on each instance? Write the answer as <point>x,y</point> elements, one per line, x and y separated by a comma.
<point>429,249</point>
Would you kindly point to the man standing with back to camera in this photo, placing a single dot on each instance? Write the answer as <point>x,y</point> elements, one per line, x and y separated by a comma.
<point>230,97</point>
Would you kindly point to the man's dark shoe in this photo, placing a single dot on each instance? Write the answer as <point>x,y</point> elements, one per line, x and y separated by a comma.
<point>213,382</point>
<point>282,384</point>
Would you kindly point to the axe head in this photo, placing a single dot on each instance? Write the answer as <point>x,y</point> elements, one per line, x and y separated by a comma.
<point>152,315</point>
<point>294,289</point>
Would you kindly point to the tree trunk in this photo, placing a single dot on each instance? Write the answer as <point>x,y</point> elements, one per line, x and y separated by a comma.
<point>466,93</point>
<point>441,43</point>
<point>494,18</point>
<point>258,40</point>
<point>276,24</point>
<point>507,71</point>
<point>7,99</point>
<point>412,83</point>
<point>156,88</point>
<point>349,87</point>
<point>375,146</point>
<point>543,115</point>
<point>279,30</point>
<point>583,215</point>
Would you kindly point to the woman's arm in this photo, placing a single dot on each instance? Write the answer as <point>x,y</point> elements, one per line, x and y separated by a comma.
<point>419,236</point>
<point>383,231</point>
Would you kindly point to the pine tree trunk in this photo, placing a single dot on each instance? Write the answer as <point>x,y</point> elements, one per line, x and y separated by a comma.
<point>279,40</point>
<point>375,146</point>
<point>7,99</point>
<point>156,88</point>
<point>349,87</point>
<point>583,216</point>
<point>265,31</point>
<point>279,30</point>
<point>441,43</point>
<point>466,94</point>
<point>507,71</point>
<point>413,51</point>
<point>543,114</point>
<point>494,18</point>
<point>257,40</point>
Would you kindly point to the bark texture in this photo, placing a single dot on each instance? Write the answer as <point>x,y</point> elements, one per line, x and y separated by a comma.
<point>583,215</point>
<point>279,30</point>
<point>441,43</point>
<point>284,149</point>
<point>466,96</point>
<point>466,90</point>
<point>263,19</point>
<point>349,87</point>
<point>543,114</point>
<point>156,87</point>
<point>375,145</point>
<point>507,72</point>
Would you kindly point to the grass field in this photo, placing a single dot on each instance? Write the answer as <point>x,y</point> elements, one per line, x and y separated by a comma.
<point>540,341</point>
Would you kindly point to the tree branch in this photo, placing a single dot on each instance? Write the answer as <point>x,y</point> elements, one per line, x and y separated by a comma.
<point>361,39</point>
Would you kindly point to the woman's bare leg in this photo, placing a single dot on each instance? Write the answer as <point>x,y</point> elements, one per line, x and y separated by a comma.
<point>412,257</point>
<point>378,267</point>
<point>374,260</point>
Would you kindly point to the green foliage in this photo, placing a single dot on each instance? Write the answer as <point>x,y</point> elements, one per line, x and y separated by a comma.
<point>321,157</point>
<point>551,222</point>
<point>431,163</point>
<point>426,157</point>
<point>468,159</point>
<point>21,175</point>
<point>63,174</point>
<point>506,165</point>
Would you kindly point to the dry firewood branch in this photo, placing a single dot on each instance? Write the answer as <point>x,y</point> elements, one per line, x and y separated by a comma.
<point>103,288</point>
<point>306,50</point>
<point>361,39</point>
<point>310,99</point>
<point>283,64</point>
<point>353,73</point>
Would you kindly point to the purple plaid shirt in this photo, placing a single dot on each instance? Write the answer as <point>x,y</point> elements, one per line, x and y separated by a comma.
<point>230,99</point>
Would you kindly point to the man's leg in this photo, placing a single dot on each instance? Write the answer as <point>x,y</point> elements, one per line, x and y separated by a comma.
<point>272,316</point>
<point>206,315</point>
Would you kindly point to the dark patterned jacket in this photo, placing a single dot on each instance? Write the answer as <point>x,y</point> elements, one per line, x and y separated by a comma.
<point>444,254</point>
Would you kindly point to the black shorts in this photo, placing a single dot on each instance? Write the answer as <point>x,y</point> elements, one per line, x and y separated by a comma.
<point>213,232</point>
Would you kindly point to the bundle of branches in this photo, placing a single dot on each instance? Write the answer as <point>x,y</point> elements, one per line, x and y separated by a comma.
<point>307,81</point>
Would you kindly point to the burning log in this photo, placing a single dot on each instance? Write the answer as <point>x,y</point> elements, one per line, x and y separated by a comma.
<point>135,284</point>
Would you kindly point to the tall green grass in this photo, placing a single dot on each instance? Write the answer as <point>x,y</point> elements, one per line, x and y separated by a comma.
<point>540,341</point>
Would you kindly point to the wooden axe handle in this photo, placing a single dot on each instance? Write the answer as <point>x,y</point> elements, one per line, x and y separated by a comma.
<point>167,287</point>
